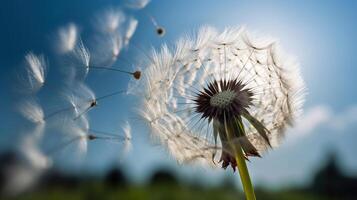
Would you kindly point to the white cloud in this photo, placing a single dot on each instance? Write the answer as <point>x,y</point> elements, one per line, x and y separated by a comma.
<point>322,115</point>
<point>313,118</point>
<point>345,119</point>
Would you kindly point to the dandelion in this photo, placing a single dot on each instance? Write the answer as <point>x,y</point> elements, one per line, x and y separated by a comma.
<point>36,71</point>
<point>223,92</point>
<point>67,38</point>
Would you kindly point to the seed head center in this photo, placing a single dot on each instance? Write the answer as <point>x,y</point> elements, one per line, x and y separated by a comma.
<point>222,99</point>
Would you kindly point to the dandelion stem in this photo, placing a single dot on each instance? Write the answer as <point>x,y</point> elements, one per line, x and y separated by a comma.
<point>110,95</point>
<point>110,69</point>
<point>244,174</point>
<point>242,166</point>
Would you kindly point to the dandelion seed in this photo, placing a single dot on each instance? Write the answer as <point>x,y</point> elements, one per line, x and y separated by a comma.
<point>132,24</point>
<point>127,138</point>
<point>29,148</point>
<point>32,111</point>
<point>36,71</point>
<point>110,20</point>
<point>135,74</point>
<point>19,178</point>
<point>81,101</point>
<point>67,38</point>
<point>160,31</point>
<point>221,91</point>
<point>137,4</point>
<point>76,137</point>
<point>34,162</point>
<point>80,135</point>
<point>83,55</point>
<point>116,46</point>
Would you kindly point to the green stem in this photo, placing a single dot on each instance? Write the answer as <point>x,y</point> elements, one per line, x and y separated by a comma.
<point>244,174</point>
<point>242,166</point>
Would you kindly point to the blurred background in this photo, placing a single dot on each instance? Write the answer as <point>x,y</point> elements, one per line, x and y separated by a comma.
<point>316,161</point>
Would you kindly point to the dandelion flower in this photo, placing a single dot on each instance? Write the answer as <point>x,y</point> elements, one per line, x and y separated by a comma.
<point>36,69</point>
<point>227,92</point>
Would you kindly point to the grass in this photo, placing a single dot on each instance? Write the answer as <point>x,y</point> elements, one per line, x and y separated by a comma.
<point>158,191</point>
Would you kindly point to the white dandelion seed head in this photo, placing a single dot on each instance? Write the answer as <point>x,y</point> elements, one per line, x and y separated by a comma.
<point>137,4</point>
<point>179,84</point>
<point>32,111</point>
<point>67,38</point>
<point>110,20</point>
<point>36,71</point>
<point>130,30</point>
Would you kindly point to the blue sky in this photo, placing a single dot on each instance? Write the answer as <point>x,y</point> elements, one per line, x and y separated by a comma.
<point>320,34</point>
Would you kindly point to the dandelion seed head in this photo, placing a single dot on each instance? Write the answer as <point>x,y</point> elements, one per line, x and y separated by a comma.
<point>215,90</point>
